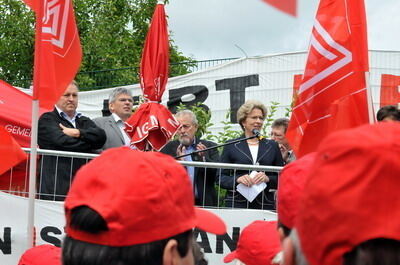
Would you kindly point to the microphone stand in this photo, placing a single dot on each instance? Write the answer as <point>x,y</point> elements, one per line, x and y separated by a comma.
<point>221,145</point>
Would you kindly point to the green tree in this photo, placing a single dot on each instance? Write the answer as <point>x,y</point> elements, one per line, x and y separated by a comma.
<point>228,132</point>
<point>112,34</point>
<point>16,41</point>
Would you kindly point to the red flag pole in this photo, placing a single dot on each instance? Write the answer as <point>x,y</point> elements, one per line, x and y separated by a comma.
<point>34,128</point>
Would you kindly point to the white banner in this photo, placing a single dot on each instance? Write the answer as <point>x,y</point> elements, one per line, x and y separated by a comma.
<point>221,88</point>
<point>50,222</point>
<point>226,86</point>
<point>49,225</point>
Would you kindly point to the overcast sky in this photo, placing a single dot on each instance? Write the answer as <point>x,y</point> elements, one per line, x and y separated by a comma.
<point>209,29</point>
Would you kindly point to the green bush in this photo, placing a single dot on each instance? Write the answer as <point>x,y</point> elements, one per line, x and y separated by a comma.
<point>203,117</point>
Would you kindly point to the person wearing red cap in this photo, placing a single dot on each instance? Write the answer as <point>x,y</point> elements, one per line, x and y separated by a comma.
<point>290,188</point>
<point>130,207</point>
<point>258,245</point>
<point>350,212</point>
<point>41,255</point>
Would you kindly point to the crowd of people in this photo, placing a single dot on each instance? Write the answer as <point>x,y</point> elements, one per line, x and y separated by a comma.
<point>65,129</point>
<point>336,206</point>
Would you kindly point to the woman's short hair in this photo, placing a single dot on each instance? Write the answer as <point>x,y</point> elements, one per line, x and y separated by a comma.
<point>248,107</point>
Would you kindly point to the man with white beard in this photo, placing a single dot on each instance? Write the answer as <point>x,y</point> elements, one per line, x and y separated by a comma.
<point>203,179</point>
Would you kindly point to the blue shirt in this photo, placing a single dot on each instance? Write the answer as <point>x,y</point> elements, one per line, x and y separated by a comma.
<point>189,149</point>
<point>68,118</point>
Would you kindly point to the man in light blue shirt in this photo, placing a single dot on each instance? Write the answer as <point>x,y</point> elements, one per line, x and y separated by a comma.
<point>203,179</point>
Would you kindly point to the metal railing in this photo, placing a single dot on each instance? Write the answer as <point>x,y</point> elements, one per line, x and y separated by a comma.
<point>98,79</point>
<point>210,194</point>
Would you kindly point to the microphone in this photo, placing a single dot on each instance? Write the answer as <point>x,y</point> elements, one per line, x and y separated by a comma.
<point>256,132</point>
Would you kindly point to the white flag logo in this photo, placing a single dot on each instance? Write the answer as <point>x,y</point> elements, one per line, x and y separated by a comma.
<point>55,20</point>
<point>332,45</point>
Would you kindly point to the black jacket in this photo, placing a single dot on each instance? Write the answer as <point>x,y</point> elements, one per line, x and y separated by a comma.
<point>201,175</point>
<point>56,173</point>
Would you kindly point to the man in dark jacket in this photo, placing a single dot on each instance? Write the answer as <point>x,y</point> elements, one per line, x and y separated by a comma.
<point>203,179</point>
<point>65,129</point>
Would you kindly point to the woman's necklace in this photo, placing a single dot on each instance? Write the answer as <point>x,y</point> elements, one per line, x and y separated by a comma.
<point>252,143</point>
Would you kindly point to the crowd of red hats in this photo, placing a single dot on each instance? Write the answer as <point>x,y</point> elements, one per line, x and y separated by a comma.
<point>329,203</point>
<point>43,255</point>
<point>334,204</point>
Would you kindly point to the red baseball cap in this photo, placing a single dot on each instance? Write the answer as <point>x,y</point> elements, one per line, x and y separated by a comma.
<point>352,193</point>
<point>290,188</point>
<point>258,244</point>
<point>142,196</point>
<point>41,255</point>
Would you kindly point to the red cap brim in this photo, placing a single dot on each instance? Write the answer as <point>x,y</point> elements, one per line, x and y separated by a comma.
<point>231,256</point>
<point>209,222</point>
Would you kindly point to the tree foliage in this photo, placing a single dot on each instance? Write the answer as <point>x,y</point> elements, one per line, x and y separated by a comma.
<point>16,40</point>
<point>112,34</point>
<point>229,130</point>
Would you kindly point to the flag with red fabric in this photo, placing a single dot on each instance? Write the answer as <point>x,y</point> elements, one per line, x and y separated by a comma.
<point>287,6</point>
<point>296,86</point>
<point>16,113</point>
<point>15,117</point>
<point>10,151</point>
<point>333,93</point>
<point>155,57</point>
<point>152,125</point>
<point>390,90</point>
<point>58,50</point>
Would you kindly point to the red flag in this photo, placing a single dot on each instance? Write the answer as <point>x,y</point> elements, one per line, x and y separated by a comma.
<point>155,57</point>
<point>15,117</point>
<point>296,86</point>
<point>287,6</point>
<point>390,90</point>
<point>333,93</point>
<point>16,113</point>
<point>152,124</point>
<point>58,51</point>
<point>10,152</point>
